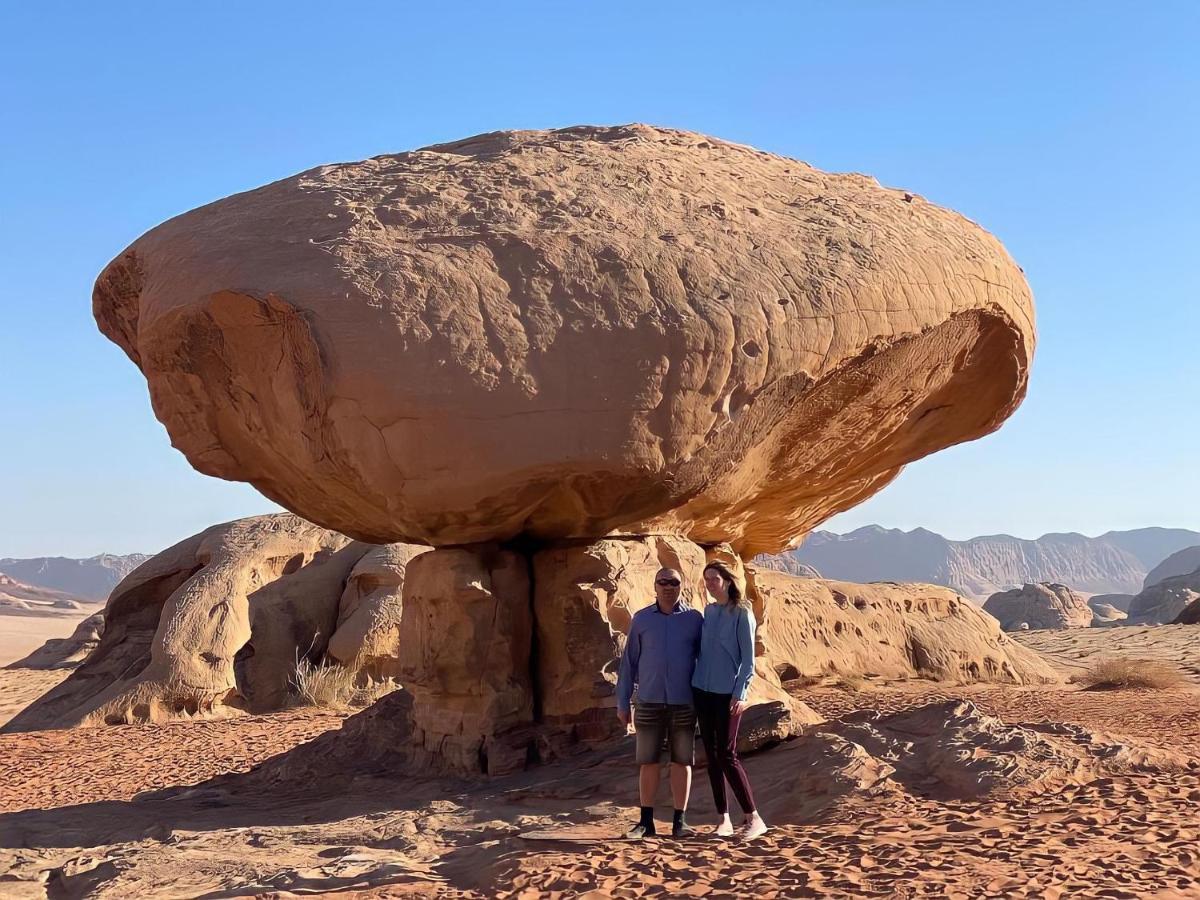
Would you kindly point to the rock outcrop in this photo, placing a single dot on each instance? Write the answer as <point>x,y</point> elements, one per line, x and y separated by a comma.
<point>1190,614</point>
<point>1036,606</point>
<point>213,625</point>
<point>1182,562</point>
<point>68,652</point>
<point>1163,602</point>
<point>1105,613</point>
<point>367,637</point>
<point>821,627</point>
<point>630,329</point>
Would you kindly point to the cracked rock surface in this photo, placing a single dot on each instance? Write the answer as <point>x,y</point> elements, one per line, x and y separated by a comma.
<point>570,334</point>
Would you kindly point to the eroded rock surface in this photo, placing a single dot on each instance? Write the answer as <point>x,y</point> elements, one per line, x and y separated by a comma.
<point>1037,606</point>
<point>568,333</point>
<point>819,627</point>
<point>1163,601</point>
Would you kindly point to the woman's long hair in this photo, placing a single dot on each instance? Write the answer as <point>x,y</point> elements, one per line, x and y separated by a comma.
<point>736,598</point>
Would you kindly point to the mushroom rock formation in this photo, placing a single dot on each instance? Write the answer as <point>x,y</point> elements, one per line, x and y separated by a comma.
<point>820,627</point>
<point>68,652</point>
<point>571,334</point>
<point>367,637</point>
<point>1041,605</point>
<point>1163,602</point>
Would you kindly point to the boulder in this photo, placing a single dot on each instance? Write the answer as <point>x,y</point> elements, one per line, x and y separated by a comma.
<point>821,627</point>
<point>185,635</point>
<point>1105,613</point>
<point>368,624</point>
<point>1041,605</point>
<point>1119,602</point>
<point>1165,601</point>
<point>570,334</point>
<point>1190,614</point>
<point>68,652</point>
<point>1181,562</point>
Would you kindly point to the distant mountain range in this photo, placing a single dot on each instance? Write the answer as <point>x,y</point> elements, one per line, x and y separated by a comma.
<point>91,579</point>
<point>1113,563</point>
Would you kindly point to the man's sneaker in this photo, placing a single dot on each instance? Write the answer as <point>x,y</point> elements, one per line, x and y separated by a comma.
<point>725,829</point>
<point>639,831</point>
<point>682,830</point>
<point>756,827</point>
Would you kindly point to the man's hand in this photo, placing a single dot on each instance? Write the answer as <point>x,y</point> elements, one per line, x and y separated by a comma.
<point>623,715</point>
<point>737,707</point>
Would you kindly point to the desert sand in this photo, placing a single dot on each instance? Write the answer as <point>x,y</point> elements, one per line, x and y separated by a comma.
<point>1062,792</point>
<point>21,635</point>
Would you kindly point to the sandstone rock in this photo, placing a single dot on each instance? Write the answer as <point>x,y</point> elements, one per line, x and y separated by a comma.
<point>178,637</point>
<point>1042,605</point>
<point>1182,562</point>
<point>821,627</point>
<point>1190,614</point>
<point>1106,613</point>
<point>585,595</point>
<point>368,625</point>
<point>1119,602</point>
<point>465,655</point>
<point>1163,602</point>
<point>68,652</point>
<point>632,329</point>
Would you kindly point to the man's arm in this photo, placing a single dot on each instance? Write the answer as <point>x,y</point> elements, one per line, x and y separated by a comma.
<point>628,675</point>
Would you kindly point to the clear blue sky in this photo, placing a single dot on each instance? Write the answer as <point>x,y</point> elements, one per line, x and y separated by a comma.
<point>1070,130</point>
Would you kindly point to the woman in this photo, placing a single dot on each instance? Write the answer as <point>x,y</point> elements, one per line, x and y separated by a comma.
<point>720,685</point>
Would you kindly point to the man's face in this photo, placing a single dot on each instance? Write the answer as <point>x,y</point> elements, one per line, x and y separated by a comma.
<point>667,584</point>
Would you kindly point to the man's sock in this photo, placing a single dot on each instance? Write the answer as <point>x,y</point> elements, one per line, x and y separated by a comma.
<point>678,821</point>
<point>647,817</point>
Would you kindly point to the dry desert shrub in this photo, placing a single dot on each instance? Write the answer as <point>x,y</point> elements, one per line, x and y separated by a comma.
<point>1124,673</point>
<point>330,685</point>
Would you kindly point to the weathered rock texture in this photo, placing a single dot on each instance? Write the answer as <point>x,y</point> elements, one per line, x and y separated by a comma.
<point>1163,602</point>
<point>820,627</point>
<point>367,637</point>
<point>1040,605</point>
<point>1105,613</point>
<point>1190,614</point>
<point>1182,562</point>
<point>569,333</point>
<point>212,625</point>
<point>68,652</point>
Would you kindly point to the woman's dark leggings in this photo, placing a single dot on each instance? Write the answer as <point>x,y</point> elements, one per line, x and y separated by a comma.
<point>719,731</point>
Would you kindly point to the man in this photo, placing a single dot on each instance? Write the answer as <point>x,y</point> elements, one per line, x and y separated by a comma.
<point>659,658</point>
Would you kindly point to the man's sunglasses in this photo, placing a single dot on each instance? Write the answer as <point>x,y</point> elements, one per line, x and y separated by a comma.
<point>667,582</point>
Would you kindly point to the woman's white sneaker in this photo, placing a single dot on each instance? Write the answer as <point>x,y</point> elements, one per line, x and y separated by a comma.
<point>725,829</point>
<point>754,827</point>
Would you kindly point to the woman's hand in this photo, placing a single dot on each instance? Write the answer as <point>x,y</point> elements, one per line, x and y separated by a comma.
<point>737,707</point>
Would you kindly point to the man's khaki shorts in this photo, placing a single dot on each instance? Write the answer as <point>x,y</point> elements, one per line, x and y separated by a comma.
<point>656,724</point>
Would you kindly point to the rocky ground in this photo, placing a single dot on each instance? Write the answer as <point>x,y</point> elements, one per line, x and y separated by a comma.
<point>912,790</point>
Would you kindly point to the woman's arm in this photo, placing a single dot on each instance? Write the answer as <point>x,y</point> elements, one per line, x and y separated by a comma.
<point>745,640</point>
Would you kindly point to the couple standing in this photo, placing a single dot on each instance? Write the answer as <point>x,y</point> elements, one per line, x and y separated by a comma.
<point>688,667</point>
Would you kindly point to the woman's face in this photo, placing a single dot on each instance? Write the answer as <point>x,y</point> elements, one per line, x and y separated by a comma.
<point>714,582</point>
